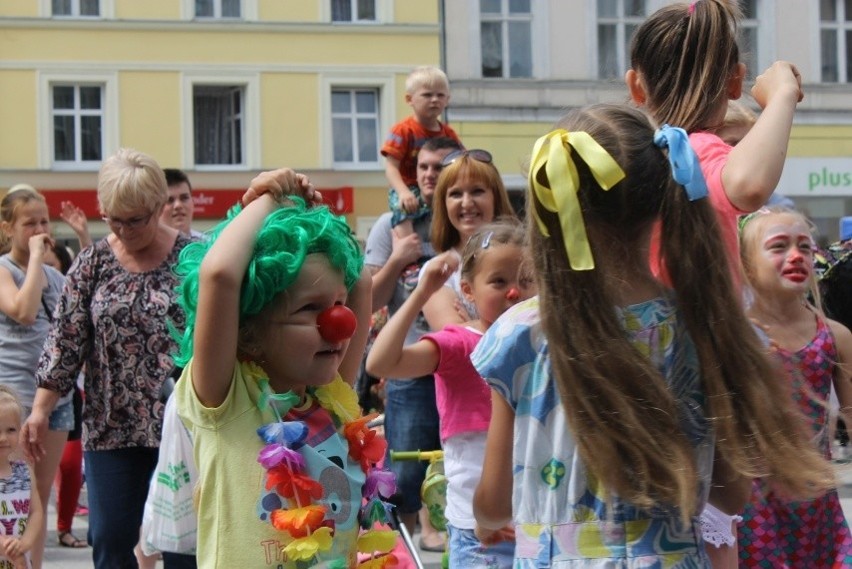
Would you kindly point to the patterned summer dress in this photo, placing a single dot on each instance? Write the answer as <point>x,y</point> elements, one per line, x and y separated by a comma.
<point>562,519</point>
<point>812,534</point>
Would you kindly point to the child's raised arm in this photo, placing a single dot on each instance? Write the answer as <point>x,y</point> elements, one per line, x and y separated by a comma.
<point>389,357</point>
<point>219,280</point>
<point>754,166</point>
<point>22,304</point>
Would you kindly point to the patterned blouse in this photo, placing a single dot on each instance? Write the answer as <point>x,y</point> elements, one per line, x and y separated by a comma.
<point>116,323</point>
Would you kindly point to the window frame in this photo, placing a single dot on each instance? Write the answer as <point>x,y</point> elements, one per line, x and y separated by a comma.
<point>384,14</point>
<point>540,28</point>
<point>250,85</point>
<point>248,12</point>
<point>384,87</point>
<point>109,126</point>
<point>840,25</point>
<point>621,23</point>
<point>106,10</point>
<point>354,11</point>
<point>504,19</point>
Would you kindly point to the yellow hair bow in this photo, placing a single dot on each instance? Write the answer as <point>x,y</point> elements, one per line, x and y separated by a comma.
<point>558,190</point>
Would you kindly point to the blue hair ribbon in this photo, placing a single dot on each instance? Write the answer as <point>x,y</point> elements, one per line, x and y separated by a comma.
<point>685,168</point>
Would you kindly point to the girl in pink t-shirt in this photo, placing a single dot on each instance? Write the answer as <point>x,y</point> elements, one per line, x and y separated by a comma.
<point>494,279</point>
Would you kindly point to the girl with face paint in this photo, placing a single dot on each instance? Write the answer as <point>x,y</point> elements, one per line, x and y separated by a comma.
<point>494,278</point>
<point>277,309</point>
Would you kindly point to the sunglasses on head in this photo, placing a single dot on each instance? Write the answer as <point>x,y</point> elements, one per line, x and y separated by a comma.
<point>477,154</point>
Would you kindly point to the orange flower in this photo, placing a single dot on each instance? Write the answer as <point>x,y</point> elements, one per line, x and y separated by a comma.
<point>365,446</point>
<point>298,522</point>
<point>291,484</point>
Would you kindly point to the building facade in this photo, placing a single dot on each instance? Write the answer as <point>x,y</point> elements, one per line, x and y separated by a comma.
<point>220,88</point>
<point>516,65</point>
<point>226,88</point>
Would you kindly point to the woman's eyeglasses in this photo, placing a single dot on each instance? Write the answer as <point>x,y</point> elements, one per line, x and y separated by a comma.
<point>477,154</point>
<point>117,224</point>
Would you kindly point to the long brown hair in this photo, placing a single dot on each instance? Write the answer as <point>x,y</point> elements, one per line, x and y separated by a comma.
<point>685,55</point>
<point>444,235</point>
<point>618,405</point>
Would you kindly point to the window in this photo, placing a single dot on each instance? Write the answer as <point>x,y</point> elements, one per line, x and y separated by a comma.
<point>76,8</point>
<point>506,38</point>
<point>355,126</point>
<point>217,8</point>
<point>835,40</point>
<point>617,20</point>
<point>218,125</point>
<point>353,10</point>
<point>78,117</point>
<point>748,40</point>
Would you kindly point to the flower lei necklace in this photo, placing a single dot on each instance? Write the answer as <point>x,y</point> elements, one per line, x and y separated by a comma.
<point>301,524</point>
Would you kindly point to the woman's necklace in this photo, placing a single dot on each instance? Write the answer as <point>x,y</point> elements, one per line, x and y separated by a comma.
<point>301,524</point>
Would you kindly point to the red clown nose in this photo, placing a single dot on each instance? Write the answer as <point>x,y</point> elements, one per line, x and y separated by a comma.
<point>336,324</point>
<point>513,294</point>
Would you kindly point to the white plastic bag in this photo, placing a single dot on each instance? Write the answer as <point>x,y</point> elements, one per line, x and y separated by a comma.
<point>169,522</point>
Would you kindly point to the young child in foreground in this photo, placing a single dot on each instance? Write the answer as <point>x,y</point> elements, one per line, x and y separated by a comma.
<point>615,413</point>
<point>493,281</point>
<point>427,92</point>
<point>22,518</point>
<point>777,254</point>
<point>271,348</point>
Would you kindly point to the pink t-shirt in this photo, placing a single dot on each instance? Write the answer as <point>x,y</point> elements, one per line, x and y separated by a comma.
<point>712,154</point>
<point>462,396</point>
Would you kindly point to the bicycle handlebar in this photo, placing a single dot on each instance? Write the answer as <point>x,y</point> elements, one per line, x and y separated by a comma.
<point>430,455</point>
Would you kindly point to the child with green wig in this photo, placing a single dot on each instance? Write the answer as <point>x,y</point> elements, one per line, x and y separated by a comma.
<point>277,309</point>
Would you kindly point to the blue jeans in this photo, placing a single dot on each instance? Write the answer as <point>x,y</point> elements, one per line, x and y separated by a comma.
<point>411,423</point>
<point>467,552</point>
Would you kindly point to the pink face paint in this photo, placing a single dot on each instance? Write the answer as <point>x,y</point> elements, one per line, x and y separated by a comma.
<point>513,294</point>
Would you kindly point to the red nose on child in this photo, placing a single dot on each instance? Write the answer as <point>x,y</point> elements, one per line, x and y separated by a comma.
<point>513,294</point>
<point>336,324</point>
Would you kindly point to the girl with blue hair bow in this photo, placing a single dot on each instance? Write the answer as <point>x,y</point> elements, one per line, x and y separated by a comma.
<point>621,405</point>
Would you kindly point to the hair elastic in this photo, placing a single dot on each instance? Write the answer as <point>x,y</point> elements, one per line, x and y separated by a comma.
<point>685,167</point>
<point>554,183</point>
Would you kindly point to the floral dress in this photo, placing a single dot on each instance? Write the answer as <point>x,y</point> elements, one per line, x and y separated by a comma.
<point>561,516</point>
<point>814,533</point>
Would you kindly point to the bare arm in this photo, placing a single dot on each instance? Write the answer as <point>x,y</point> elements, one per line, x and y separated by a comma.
<point>22,304</point>
<point>389,357</point>
<point>729,491</point>
<point>754,166</point>
<point>76,220</point>
<point>220,278</point>
<point>492,501</point>
<point>359,301</point>
<point>407,200</point>
<point>36,520</point>
<point>405,251</point>
<point>440,309</point>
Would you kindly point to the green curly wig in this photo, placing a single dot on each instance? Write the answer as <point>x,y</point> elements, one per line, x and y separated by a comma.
<point>286,237</point>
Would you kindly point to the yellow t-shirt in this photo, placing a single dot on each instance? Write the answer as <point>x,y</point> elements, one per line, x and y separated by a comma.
<point>234,505</point>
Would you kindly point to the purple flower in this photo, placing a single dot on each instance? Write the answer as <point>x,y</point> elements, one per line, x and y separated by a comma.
<point>274,454</point>
<point>381,482</point>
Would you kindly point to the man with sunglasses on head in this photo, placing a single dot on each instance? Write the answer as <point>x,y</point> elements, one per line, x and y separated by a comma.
<point>411,417</point>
